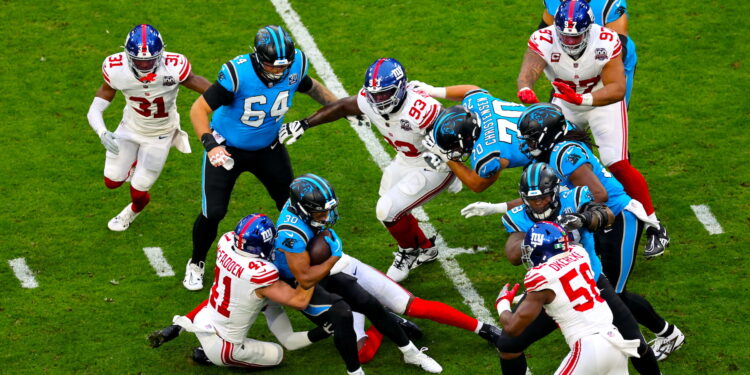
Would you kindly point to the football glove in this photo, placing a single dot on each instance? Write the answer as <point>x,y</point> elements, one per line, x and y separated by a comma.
<point>220,158</point>
<point>109,141</point>
<point>361,120</point>
<point>484,209</point>
<point>572,221</point>
<point>527,96</point>
<point>571,96</point>
<point>334,242</point>
<point>292,131</point>
<point>435,162</point>
<point>431,145</point>
<point>505,298</point>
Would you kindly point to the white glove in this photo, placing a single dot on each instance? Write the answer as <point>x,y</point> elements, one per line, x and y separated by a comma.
<point>435,162</point>
<point>361,120</point>
<point>292,131</point>
<point>340,264</point>
<point>109,140</point>
<point>431,145</point>
<point>484,209</point>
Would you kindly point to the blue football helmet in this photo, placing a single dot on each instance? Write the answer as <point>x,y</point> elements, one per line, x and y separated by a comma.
<point>541,126</point>
<point>273,53</point>
<point>543,241</point>
<point>254,236</point>
<point>314,201</point>
<point>573,20</point>
<point>144,48</point>
<point>385,85</point>
<point>539,181</point>
<point>455,131</point>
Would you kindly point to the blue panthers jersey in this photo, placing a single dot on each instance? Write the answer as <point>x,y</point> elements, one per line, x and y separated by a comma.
<point>500,137</point>
<point>293,235</point>
<point>567,156</point>
<point>253,119</point>
<point>517,220</point>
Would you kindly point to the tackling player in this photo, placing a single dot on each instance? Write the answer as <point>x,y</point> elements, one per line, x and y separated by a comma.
<point>584,62</point>
<point>149,79</point>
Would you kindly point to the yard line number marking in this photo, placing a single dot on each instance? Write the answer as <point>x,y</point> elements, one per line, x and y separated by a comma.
<point>379,155</point>
<point>23,273</point>
<point>704,215</point>
<point>158,262</point>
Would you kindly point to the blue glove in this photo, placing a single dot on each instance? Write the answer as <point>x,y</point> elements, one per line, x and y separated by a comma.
<point>334,242</point>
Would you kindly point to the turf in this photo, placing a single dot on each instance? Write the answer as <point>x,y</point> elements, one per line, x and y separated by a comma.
<point>98,297</point>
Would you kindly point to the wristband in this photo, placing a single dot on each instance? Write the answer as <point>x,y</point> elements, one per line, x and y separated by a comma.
<point>438,92</point>
<point>524,88</point>
<point>587,99</point>
<point>208,141</point>
<point>502,306</point>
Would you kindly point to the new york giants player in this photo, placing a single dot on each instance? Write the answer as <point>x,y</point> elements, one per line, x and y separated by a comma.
<point>149,78</point>
<point>612,14</point>
<point>403,115</point>
<point>550,138</point>
<point>312,207</point>
<point>561,282</point>
<point>583,61</point>
<point>251,95</point>
<point>244,282</point>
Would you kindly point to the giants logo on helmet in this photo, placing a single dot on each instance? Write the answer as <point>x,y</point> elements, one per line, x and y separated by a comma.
<point>537,239</point>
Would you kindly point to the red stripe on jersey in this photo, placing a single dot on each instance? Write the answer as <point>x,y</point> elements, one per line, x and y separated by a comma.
<point>617,50</point>
<point>104,74</point>
<point>534,281</point>
<point>375,73</point>
<point>185,69</point>
<point>144,45</point>
<point>430,117</point>
<point>265,280</point>
<point>535,47</point>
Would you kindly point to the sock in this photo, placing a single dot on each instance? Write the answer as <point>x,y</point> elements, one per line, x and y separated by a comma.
<point>407,233</point>
<point>140,199</point>
<point>191,315</point>
<point>633,182</point>
<point>112,184</point>
<point>668,330</point>
<point>408,348</point>
<point>372,344</point>
<point>479,327</point>
<point>204,234</point>
<point>359,325</point>
<point>643,312</point>
<point>515,366</point>
<point>318,333</point>
<point>441,313</point>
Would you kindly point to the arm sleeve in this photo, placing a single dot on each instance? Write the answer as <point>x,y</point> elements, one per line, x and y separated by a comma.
<point>305,85</point>
<point>510,224</point>
<point>217,95</point>
<point>95,117</point>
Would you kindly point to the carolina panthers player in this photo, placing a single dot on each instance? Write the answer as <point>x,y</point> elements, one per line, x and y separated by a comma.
<point>402,114</point>
<point>584,62</point>
<point>245,283</point>
<point>550,138</point>
<point>137,150</point>
<point>312,207</point>
<point>560,282</point>
<point>612,14</point>
<point>250,96</point>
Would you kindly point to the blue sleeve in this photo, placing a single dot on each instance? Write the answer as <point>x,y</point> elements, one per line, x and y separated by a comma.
<point>571,158</point>
<point>489,168</point>
<point>228,77</point>
<point>587,241</point>
<point>551,6</point>
<point>290,241</point>
<point>583,196</point>
<point>615,9</point>
<point>510,220</point>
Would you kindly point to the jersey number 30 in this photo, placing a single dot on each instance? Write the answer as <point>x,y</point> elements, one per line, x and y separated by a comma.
<point>255,117</point>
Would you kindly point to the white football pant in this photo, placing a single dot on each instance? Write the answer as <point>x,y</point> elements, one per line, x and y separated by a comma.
<point>609,125</point>
<point>151,153</point>
<point>594,355</point>
<point>251,353</point>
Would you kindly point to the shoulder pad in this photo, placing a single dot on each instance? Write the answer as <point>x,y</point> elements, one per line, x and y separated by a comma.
<point>264,272</point>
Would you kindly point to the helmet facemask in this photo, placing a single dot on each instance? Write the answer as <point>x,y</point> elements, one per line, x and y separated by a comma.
<point>573,21</point>
<point>386,99</point>
<point>273,53</point>
<point>144,48</point>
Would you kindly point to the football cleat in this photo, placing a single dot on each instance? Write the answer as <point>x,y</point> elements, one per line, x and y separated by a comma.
<point>418,358</point>
<point>358,371</point>
<point>412,330</point>
<point>490,333</point>
<point>403,262</point>
<point>663,346</point>
<point>200,357</point>
<point>157,338</point>
<point>194,275</point>
<point>427,255</point>
<point>657,241</point>
<point>122,221</point>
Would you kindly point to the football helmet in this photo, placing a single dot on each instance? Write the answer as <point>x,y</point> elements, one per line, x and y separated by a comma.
<point>573,20</point>
<point>254,236</point>
<point>541,126</point>
<point>385,85</point>
<point>273,53</point>
<point>314,201</point>
<point>539,181</point>
<point>144,48</point>
<point>455,131</point>
<point>543,241</point>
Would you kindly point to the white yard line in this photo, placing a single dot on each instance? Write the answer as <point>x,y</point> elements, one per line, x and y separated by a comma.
<point>451,267</point>
<point>23,273</point>
<point>158,262</point>
<point>704,215</point>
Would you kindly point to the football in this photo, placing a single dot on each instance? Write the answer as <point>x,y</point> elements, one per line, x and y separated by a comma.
<point>318,248</point>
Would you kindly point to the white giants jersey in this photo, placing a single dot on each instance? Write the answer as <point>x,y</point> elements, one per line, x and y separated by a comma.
<point>404,129</point>
<point>577,308</point>
<point>583,74</point>
<point>151,103</point>
<point>233,305</point>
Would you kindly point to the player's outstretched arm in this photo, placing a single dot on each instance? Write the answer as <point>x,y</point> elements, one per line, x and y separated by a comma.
<point>279,324</point>
<point>334,111</point>
<point>320,93</point>
<point>196,83</point>
<point>282,293</point>
<point>471,179</point>
<point>455,93</point>
<point>307,276</point>
<point>102,100</point>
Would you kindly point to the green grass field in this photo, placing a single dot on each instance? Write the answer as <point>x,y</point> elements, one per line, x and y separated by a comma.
<point>689,137</point>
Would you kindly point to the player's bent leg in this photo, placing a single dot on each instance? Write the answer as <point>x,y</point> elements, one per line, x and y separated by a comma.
<point>274,170</point>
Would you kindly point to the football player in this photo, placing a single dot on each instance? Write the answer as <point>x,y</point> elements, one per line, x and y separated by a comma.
<point>252,93</point>
<point>312,207</point>
<point>245,282</point>
<point>402,114</point>
<point>560,282</point>
<point>612,14</point>
<point>149,78</point>
<point>584,63</point>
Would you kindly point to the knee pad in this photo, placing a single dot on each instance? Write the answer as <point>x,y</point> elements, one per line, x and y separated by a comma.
<point>383,208</point>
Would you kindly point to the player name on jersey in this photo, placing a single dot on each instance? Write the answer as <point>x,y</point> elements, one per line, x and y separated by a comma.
<point>229,264</point>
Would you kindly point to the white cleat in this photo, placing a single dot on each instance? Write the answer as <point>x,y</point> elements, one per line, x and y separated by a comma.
<point>122,221</point>
<point>418,358</point>
<point>194,275</point>
<point>358,371</point>
<point>664,346</point>
<point>403,262</point>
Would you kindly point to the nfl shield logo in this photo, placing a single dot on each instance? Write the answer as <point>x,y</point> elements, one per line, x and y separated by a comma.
<point>405,125</point>
<point>169,81</point>
<point>555,57</point>
<point>600,54</point>
<point>293,78</point>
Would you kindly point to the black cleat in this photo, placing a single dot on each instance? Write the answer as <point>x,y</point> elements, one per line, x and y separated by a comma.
<point>157,338</point>
<point>412,330</point>
<point>200,357</point>
<point>490,333</point>
<point>656,242</point>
